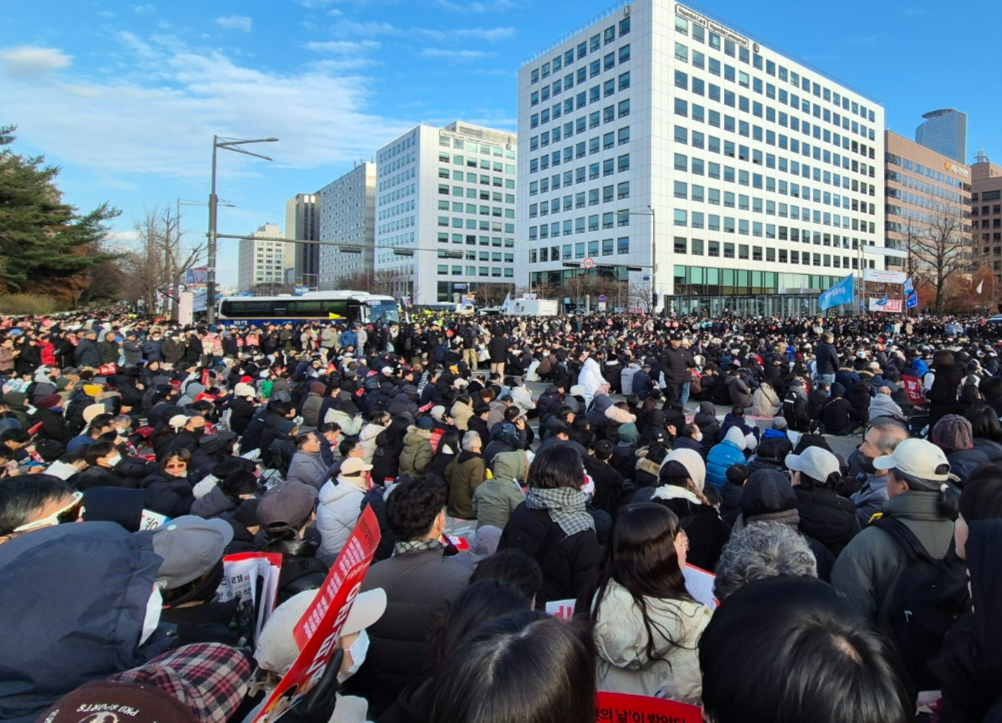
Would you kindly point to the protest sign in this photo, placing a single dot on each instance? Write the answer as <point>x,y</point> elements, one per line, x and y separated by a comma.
<point>253,577</point>
<point>623,708</point>
<point>317,631</point>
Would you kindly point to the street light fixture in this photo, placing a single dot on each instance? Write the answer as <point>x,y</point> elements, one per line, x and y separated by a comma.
<point>228,144</point>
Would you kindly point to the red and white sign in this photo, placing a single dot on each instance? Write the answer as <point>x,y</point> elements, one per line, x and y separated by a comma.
<point>890,306</point>
<point>317,631</point>
<point>913,389</point>
<point>589,263</point>
<point>623,708</point>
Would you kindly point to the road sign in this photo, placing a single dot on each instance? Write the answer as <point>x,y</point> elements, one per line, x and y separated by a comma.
<point>589,263</point>
<point>602,299</point>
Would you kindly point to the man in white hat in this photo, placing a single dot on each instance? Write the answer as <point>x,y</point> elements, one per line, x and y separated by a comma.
<point>920,496</point>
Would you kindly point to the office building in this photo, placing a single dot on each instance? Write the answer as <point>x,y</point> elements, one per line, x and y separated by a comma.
<point>986,211</point>
<point>301,223</point>
<point>659,135</point>
<point>445,211</point>
<point>928,202</point>
<point>262,261</point>
<point>945,131</point>
<point>347,216</point>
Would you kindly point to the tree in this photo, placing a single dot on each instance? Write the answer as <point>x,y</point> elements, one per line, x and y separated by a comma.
<point>158,258</point>
<point>493,294</point>
<point>46,246</point>
<point>939,246</point>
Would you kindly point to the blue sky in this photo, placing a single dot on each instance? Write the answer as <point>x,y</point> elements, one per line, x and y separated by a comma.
<point>125,97</point>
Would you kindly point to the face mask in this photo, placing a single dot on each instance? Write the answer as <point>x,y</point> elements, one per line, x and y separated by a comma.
<point>698,437</point>
<point>198,431</point>
<point>153,608</point>
<point>113,461</point>
<point>866,464</point>
<point>357,651</point>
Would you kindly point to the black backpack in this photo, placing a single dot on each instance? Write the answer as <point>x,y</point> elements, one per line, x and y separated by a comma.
<point>927,598</point>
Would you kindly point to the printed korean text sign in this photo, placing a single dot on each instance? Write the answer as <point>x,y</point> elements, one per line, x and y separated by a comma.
<point>622,708</point>
<point>913,389</point>
<point>317,631</point>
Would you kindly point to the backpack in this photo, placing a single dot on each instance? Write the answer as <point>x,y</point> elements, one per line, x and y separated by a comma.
<point>927,598</point>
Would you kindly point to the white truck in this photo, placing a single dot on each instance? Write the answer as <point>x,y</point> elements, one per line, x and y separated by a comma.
<point>533,307</point>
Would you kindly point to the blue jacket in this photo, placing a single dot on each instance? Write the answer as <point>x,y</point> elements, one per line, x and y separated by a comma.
<point>721,458</point>
<point>72,603</point>
<point>349,338</point>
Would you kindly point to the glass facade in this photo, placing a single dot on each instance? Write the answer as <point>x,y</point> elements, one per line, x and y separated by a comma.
<point>945,131</point>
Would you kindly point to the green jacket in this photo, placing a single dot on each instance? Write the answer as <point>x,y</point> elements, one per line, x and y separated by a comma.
<point>463,476</point>
<point>417,452</point>
<point>868,567</point>
<point>496,499</point>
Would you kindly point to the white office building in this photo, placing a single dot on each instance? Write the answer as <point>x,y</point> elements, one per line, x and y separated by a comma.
<point>347,217</point>
<point>445,211</point>
<point>660,136</point>
<point>262,263</point>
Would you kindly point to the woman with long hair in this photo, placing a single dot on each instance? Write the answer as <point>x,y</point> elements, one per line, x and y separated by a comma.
<point>646,626</point>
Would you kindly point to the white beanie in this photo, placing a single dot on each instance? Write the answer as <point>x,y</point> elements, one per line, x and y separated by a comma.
<point>693,463</point>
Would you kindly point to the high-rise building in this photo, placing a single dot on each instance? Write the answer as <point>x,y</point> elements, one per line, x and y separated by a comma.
<point>928,201</point>
<point>347,216</point>
<point>945,131</point>
<point>301,222</point>
<point>986,211</point>
<point>262,261</point>
<point>658,135</point>
<point>445,211</point>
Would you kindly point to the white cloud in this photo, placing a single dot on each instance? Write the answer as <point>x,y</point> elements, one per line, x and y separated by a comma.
<point>29,61</point>
<point>144,9</point>
<point>491,6</point>
<point>159,118</point>
<point>347,28</point>
<point>342,47</point>
<point>235,22</point>
<point>463,55</point>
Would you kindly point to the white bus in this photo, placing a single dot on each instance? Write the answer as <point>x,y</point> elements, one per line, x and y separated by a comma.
<point>325,306</point>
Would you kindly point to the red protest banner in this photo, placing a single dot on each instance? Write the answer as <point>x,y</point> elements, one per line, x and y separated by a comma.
<point>623,708</point>
<point>317,631</point>
<point>913,389</point>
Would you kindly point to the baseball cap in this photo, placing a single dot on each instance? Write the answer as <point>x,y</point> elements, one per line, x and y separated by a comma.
<point>243,390</point>
<point>290,503</point>
<point>815,462</point>
<point>352,466</point>
<point>177,421</point>
<point>190,546</point>
<point>919,459</point>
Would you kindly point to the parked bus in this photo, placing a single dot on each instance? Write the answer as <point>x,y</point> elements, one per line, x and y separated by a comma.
<point>325,306</point>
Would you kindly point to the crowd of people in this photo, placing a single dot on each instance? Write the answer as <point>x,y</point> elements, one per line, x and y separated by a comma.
<point>840,477</point>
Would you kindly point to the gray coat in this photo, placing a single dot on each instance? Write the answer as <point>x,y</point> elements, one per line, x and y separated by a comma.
<point>868,567</point>
<point>308,469</point>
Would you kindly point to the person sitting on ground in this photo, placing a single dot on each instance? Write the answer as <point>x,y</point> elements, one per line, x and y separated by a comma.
<point>760,551</point>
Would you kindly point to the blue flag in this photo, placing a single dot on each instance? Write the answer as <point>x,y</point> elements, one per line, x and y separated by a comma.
<point>883,302</point>
<point>909,286</point>
<point>912,301</point>
<point>840,293</point>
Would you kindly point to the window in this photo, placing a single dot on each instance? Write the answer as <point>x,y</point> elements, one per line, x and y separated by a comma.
<point>624,53</point>
<point>681,80</point>
<point>680,245</point>
<point>681,189</point>
<point>681,162</point>
<point>624,27</point>
<point>624,80</point>
<point>624,135</point>
<point>623,190</point>
<point>681,217</point>
<point>623,163</point>
<point>623,245</point>
<point>624,108</point>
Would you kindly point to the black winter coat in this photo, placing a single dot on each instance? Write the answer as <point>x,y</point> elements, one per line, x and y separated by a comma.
<point>826,517</point>
<point>419,587</point>
<point>241,413</point>
<point>568,562</point>
<point>706,531</point>
<point>168,495</point>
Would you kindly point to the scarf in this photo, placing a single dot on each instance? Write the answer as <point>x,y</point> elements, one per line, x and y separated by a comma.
<point>566,506</point>
<point>402,548</point>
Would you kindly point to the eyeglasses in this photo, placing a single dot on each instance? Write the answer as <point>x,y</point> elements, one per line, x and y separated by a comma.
<point>69,513</point>
<point>175,465</point>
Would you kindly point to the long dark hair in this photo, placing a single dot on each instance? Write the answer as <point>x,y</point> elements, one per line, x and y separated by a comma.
<point>450,439</point>
<point>641,557</point>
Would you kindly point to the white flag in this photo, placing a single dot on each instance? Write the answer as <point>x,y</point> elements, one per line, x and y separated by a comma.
<point>981,286</point>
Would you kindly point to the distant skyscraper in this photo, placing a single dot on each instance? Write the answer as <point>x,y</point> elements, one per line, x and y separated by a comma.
<point>301,223</point>
<point>945,131</point>
<point>347,216</point>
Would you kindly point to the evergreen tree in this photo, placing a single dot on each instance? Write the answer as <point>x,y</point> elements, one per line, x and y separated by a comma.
<point>43,242</point>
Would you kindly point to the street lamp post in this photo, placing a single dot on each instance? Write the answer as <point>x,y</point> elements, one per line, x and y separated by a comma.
<point>210,281</point>
<point>654,252</point>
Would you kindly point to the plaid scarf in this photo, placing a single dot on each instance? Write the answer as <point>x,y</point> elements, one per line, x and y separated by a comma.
<point>565,505</point>
<point>402,548</point>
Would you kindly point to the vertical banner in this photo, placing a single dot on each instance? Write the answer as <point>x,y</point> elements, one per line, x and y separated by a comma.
<point>317,631</point>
